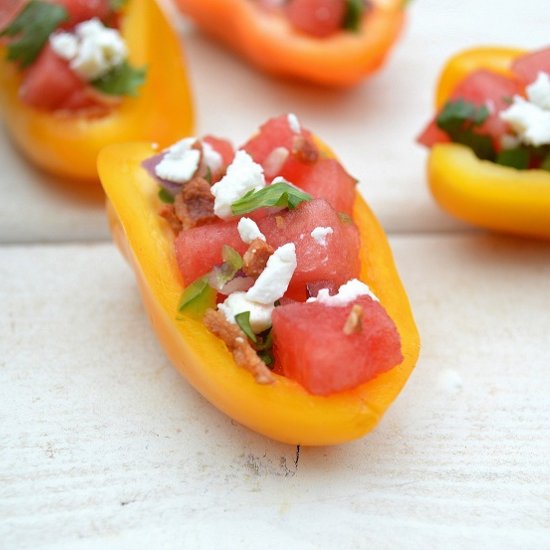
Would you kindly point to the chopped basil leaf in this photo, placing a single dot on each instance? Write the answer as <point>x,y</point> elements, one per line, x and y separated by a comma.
<point>222,274</point>
<point>265,342</point>
<point>165,196</point>
<point>243,320</point>
<point>514,158</point>
<point>208,175</point>
<point>459,118</point>
<point>354,14</point>
<point>232,257</point>
<point>121,80</point>
<point>278,194</point>
<point>266,357</point>
<point>545,165</point>
<point>117,5</point>
<point>197,298</point>
<point>31,29</point>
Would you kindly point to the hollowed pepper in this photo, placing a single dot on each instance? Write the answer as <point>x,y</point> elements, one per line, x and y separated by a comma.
<point>284,410</point>
<point>479,191</point>
<point>67,144</point>
<point>268,40</point>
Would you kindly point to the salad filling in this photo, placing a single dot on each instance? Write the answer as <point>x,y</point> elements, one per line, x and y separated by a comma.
<point>71,55</point>
<point>503,119</point>
<point>251,244</point>
<point>320,18</point>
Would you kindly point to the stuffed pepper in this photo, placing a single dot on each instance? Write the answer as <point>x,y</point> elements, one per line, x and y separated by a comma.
<point>328,42</point>
<point>489,162</point>
<point>76,75</point>
<point>267,279</point>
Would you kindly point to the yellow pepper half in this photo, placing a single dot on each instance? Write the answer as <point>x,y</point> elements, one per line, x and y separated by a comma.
<point>478,191</point>
<point>284,410</point>
<point>67,144</point>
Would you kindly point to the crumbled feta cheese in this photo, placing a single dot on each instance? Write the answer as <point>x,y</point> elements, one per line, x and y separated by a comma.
<point>294,123</point>
<point>275,278</point>
<point>92,49</point>
<point>531,123</point>
<point>243,175</point>
<point>180,162</point>
<point>347,293</point>
<point>249,230</point>
<point>238,302</point>
<point>538,92</point>
<point>212,159</point>
<point>64,44</point>
<point>320,234</point>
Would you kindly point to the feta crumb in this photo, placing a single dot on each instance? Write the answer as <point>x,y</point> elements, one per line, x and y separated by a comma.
<point>238,302</point>
<point>212,159</point>
<point>64,44</point>
<point>180,161</point>
<point>538,91</point>
<point>92,49</point>
<point>347,293</point>
<point>275,278</point>
<point>249,230</point>
<point>243,175</point>
<point>531,123</point>
<point>320,234</point>
<point>294,123</point>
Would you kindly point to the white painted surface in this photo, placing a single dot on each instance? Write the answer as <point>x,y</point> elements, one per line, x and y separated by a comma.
<point>104,445</point>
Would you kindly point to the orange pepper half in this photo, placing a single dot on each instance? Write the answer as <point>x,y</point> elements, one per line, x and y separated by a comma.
<point>283,410</point>
<point>67,144</point>
<point>479,191</point>
<point>269,42</point>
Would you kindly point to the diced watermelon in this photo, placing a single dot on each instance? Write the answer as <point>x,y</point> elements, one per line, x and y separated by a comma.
<point>324,179</point>
<point>276,132</point>
<point>311,347</point>
<point>338,261</point>
<point>319,18</point>
<point>9,11</point>
<point>82,10</point>
<point>527,67</point>
<point>199,249</point>
<point>492,90</point>
<point>49,83</point>
<point>432,134</point>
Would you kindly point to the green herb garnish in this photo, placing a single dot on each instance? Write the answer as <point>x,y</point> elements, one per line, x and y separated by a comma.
<point>121,80</point>
<point>243,320</point>
<point>514,158</point>
<point>232,262</point>
<point>459,118</point>
<point>197,298</point>
<point>266,357</point>
<point>31,29</point>
<point>354,14</point>
<point>165,196</point>
<point>278,194</point>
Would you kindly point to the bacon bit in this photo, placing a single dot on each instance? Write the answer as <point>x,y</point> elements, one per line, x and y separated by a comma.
<point>194,204</point>
<point>305,149</point>
<point>354,322</point>
<point>280,222</point>
<point>255,258</point>
<point>238,345</point>
<point>169,214</point>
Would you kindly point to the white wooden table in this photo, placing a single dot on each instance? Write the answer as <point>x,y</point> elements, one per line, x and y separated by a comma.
<point>103,445</point>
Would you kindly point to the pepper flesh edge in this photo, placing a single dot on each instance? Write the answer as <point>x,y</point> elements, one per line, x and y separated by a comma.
<point>482,192</point>
<point>269,41</point>
<point>67,144</point>
<point>283,411</point>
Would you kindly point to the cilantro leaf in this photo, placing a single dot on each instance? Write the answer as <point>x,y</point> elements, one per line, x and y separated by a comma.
<point>197,298</point>
<point>243,320</point>
<point>121,80</point>
<point>31,29</point>
<point>277,194</point>
<point>354,14</point>
<point>514,158</point>
<point>459,118</point>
